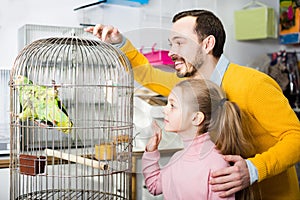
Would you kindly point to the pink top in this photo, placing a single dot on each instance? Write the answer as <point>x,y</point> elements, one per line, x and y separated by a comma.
<point>187,173</point>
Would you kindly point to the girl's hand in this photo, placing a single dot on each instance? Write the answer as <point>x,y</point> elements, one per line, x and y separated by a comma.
<point>154,141</point>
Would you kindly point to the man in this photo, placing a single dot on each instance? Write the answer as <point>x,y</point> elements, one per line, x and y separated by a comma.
<point>197,40</point>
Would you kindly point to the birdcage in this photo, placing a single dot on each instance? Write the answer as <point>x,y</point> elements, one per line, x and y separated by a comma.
<point>71,121</point>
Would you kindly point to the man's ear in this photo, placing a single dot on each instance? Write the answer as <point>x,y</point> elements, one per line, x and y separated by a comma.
<point>198,118</point>
<point>209,43</point>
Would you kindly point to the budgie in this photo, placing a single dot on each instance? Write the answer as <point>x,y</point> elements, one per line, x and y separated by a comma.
<point>42,103</point>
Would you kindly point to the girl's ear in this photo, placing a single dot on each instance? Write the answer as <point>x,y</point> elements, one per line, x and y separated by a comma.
<point>198,118</point>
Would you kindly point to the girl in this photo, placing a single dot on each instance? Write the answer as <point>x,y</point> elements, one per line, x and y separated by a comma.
<point>209,126</point>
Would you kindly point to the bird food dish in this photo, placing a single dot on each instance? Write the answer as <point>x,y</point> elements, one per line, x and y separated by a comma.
<point>105,151</point>
<point>32,165</point>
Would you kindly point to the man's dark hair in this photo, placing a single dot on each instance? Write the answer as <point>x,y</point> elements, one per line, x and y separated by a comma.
<point>206,24</point>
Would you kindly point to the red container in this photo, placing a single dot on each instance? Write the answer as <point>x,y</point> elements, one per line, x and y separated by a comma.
<point>32,165</point>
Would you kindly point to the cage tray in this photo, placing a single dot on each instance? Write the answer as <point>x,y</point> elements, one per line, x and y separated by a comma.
<point>69,194</point>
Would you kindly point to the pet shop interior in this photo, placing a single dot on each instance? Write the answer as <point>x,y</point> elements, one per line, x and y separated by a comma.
<point>93,150</point>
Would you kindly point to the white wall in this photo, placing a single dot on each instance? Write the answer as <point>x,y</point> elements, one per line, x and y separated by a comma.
<point>144,25</point>
<point>16,13</point>
<point>243,52</point>
<point>4,184</point>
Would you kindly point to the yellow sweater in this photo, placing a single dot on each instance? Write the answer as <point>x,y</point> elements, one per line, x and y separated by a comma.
<point>275,126</point>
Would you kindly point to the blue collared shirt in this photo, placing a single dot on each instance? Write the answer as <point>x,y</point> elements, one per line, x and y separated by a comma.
<point>217,77</point>
<point>220,70</point>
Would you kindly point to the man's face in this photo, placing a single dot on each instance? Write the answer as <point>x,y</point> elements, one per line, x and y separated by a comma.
<point>185,50</point>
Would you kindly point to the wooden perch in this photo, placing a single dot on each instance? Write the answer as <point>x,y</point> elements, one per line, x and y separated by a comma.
<point>77,159</point>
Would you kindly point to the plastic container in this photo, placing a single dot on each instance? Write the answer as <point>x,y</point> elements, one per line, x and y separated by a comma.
<point>105,151</point>
<point>158,57</point>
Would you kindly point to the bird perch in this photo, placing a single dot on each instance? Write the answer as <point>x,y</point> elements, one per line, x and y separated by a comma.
<point>77,159</point>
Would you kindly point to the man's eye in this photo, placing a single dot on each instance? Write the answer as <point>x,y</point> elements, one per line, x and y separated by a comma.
<point>178,43</point>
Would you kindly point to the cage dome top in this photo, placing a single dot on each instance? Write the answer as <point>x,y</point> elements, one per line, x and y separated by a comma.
<point>72,60</point>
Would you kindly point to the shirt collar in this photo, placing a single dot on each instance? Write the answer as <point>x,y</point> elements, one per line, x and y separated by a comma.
<point>219,71</point>
<point>199,146</point>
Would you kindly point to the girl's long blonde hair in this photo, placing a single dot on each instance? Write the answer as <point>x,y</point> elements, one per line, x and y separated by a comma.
<point>223,119</point>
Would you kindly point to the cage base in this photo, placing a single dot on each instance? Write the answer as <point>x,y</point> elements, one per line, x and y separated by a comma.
<point>57,194</point>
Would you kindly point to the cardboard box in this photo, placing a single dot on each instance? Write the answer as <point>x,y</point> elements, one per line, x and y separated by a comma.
<point>252,23</point>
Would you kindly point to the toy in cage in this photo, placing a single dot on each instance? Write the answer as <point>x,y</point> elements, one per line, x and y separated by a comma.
<point>71,121</point>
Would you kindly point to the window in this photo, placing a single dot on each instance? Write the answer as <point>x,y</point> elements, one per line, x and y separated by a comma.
<point>4,111</point>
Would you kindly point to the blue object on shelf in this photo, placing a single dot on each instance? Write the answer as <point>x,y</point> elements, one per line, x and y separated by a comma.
<point>134,3</point>
<point>292,38</point>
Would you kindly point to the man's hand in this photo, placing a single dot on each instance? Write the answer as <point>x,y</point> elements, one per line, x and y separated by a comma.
<point>106,33</point>
<point>231,179</point>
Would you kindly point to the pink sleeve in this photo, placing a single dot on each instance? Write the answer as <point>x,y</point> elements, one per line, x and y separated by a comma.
<point>151,172</point>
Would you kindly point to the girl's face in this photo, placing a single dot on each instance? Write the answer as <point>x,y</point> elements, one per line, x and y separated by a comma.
<point>178,114</point>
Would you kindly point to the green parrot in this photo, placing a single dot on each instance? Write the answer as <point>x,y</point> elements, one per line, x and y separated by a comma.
<point>42,103</point>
